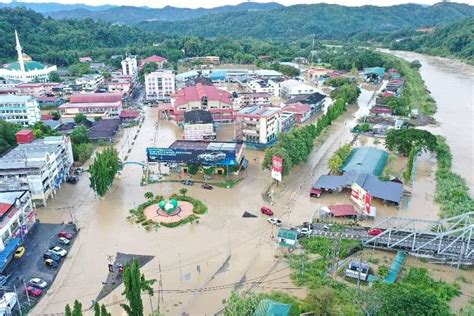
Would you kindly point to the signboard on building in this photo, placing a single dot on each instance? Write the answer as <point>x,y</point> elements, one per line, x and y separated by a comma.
<point>277,167</point>
<point>196,156</point>
<point>363,199</point>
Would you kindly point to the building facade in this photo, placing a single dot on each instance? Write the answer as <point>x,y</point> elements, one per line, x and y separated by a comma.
<point>252,99</point>
<point>17,216</point>
<point>92,105</point>
<point>130,67</point>
<point>257,126</point>
<point>160,85</point>
<point>90,82</point>
<point>39,166</point>
<point>25,69</point>
<point>264,86</point>
<point>19,109</point>
<point>202,97</point>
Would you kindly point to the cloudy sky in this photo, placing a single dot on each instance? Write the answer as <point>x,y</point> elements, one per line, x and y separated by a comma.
<point>215,3</point>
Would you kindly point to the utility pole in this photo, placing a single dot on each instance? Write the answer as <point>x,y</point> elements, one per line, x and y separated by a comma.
<point>180,270</point>
<point>27,294</point>
<point>18,300</point>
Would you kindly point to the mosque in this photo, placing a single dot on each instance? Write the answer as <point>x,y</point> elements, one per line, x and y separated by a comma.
<point>25,69</point>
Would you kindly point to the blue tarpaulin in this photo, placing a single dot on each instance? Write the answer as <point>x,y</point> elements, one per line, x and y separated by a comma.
<point>7,253</point>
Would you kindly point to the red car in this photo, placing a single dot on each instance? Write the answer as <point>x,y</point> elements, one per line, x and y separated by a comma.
<point>374,232</point>
<point>33,291</point>
<point>65,234</point>
<point>265,210</point>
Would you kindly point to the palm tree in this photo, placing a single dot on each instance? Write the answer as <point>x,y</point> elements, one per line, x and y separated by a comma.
<point>148,195</point>
<point>183,191</point>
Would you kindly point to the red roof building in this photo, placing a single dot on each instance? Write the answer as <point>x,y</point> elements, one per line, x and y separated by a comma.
<point>302,111</point>
<point>159,60</point>
<point>129,114</point>
<point>46,117</point>
<point>342,210</point>
<point>104,105</point>
<point>203,97</point>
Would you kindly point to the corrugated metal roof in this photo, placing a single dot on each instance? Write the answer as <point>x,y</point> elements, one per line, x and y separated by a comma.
<point>95,98</point>
<point>268,307</point>
<point>366,160</point>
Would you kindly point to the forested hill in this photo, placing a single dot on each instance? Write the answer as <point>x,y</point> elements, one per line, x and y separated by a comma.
<point>131,15</point>
<point>324,20</point>
<point>60,42</point>
<point>454,40</point>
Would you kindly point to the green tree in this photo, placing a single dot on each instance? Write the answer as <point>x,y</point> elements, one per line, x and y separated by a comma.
<point>56,115</point>
<point>135,283</point>
<point>103,170</point>
<point>68,310</point>
<point>78,69</point>
<point>79,118</point>
<point>244,304</point>
<point>41,130</point>
<point>183,191</point>
<point>54,77</point>
<point>106,74</point>
<point>101,310</point>
<point>209,171</point>
<point>335,164</point>
<point>403,140</point>
<point>82,152</point>
<point>8,136</point>
<point>76,310</point>
<point>149,195</point>
<point>193,168</point>
<point>79,135</point>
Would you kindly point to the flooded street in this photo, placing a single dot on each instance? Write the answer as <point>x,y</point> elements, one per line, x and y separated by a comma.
<point>452,86</point>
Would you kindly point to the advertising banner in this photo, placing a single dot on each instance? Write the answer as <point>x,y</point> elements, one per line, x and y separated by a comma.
<point>277,167</point>
<point>201,157</point>
<point>363,199</point>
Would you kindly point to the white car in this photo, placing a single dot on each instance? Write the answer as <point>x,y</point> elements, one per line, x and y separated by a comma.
<point>274,221</point>
<point>305,231</point>
<point>59,251</point>
<point>64,241</point>
<point>38,283</point>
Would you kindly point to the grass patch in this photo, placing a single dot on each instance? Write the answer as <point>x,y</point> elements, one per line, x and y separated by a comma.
<point>198,206</point>
<point>189,219</point>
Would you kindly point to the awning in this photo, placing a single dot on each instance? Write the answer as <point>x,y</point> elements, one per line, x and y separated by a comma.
<point>7,253</point>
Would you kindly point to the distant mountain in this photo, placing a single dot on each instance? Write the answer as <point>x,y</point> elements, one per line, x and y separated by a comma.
<point>53,6</point>
<point>132,15</point>
<point>324,20</point>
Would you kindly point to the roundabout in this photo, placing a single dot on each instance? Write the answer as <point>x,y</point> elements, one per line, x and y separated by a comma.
<point>169,211</point>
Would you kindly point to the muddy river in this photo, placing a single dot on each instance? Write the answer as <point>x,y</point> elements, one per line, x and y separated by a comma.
<point>452,86</point>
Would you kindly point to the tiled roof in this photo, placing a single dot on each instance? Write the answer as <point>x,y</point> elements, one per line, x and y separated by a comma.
<point>153,59</point>
<point>197,92</point>
<point>129,114</point>
<point>95,97</point>
<point>299,108</point>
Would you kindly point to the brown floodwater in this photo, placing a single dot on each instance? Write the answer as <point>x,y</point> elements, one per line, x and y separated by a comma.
<point>452,86</point>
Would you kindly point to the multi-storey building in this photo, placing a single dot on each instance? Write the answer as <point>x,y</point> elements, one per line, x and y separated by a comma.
<point>202,97</point>
<point>92,105</point>
<point>160,85</point>
<point>252,99</point>
<point>257,126</point>
<point>39,166</point>
<point>36,89</point>
<point>130,67</point>
<point>264,86</point>
<point>17,216</point>
<point>90,82</point>
<point>19,109</point>
<point>291,88</point>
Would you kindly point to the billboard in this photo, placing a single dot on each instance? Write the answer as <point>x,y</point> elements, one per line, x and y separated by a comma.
<point>277,167</point>
<point>196,156</point>
<point>363,199</point>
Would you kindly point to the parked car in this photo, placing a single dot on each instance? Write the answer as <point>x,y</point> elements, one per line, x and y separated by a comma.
<point>33,291</point>
<point>19,252</point>
<point>207,186</point>
<point>50,263</point>
<point>59,251</point>
<point>374,231</point>
<point>274,221</point>
<point>4,278</point>
<point>187,182</point>
<point>266,210</point>
<point>304,231</point>
<point>64,241</point>
<point>65,234</point>
<point>51,255</point>
<point>72,179</point>
<point>38,283</point>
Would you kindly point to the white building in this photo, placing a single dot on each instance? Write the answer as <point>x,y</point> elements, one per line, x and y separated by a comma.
<point>160,85</point>
<point>257,126</point>
<point>25,69</point>
<point>39,166</point>
<point>19,109</point>
<point>291,88</point>
<point>17,216</point>
<point>130,67</point>
<point>264,86</point>
<point>90,82</point>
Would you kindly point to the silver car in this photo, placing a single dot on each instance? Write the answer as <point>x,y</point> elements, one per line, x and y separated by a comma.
<point>58,251</point>
<point>38,283</point>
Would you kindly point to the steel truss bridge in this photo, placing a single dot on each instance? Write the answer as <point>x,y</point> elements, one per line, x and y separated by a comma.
<point>449,240</point>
